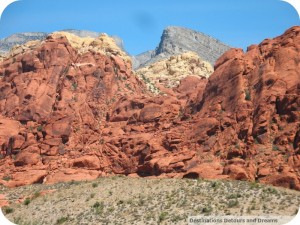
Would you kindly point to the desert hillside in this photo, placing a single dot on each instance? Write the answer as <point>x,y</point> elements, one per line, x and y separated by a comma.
<point>123,200</point>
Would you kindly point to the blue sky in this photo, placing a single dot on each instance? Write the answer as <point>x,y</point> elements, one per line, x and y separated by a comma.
<point>139,23</point>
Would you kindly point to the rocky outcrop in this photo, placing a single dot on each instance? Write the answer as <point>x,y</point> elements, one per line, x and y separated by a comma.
<point>55,99</point>
<point>77,111</point>
<point>177,40</point>
<point>8,43</point>
<point>250,110</point>
<point>19,39</point>
<point>139,59</point>
<point>171,71</point>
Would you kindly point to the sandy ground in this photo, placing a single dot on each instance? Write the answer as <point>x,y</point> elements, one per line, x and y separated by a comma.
<point>123,200</point>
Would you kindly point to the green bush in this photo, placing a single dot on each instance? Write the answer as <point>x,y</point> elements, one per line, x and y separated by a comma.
<point>37,194</point>
<point>254,185</point>
<point>62,220</point>
<point>92,195</point>
<point>74,182</point>
<point>98,207</point>
<point>275,148</point>
<point>247,95</point>
<point>6,178</point>
<point>74,86</point>
<point>27,201</point>
<point>215,185</point>
<point>206,209</point>
<point>7,210</point>
<point>162,216</point>
<point>233,203</point>
<point>40,128</point>
<point>232,196</point>
<point>270,190</point>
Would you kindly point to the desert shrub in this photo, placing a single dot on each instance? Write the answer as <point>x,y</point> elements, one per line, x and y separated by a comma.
<point>247,95</point>
<point>62,220</point>
<point>275,148</point>
<point>74,86</point>
<point>40,128</point>
<point>254,185</point>
<point>37,194</point>
<point>232,196</point>
<point>74,182</point>
<point>233,203</point>
<point>162,216</point>
<point>27,201</point>
<point>6,178</point>
<point>215,185</point>
<point>270,190</point>
<point>207,209</point>
<point>7,210</point>
<point>98,207</point>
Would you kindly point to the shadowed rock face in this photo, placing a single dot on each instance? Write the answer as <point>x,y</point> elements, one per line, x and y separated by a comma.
<point>177,40</point>
<point>80,113</point>
<point>250,111</point>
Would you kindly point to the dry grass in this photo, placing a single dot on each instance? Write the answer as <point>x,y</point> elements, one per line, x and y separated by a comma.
<point>123,200</point>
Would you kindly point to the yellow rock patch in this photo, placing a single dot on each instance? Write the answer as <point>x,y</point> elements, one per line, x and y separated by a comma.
<point>170,71</point>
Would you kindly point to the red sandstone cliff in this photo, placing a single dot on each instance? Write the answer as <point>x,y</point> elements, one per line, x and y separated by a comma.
<point>71,115</point>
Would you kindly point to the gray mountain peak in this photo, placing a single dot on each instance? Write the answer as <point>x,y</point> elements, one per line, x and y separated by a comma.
<point>18,39</point>
<point>176,40</point>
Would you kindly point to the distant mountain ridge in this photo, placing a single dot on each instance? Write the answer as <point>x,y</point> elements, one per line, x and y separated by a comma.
<point>21,38</point>
<point>174,41</point>
<point>177,40</point>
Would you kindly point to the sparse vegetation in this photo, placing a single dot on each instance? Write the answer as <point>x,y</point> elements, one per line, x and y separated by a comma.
<point>37,194</point>
<point>122,200</point>
<point>6,178</point>
<point>62,220</point>
<point>275,148</point>
<point>74,86</point>
<point>233,196</point>
<point>150,86</point>
<point>92,195</point>
<point>101,141</point>
<point>233,203</point>
<point>247,95</point>
<point>40,128</point>
<point>207,209</point>
<point>7,210</point>
<point>128,87</point>
<point>27,201</point>
<point>162,216</point>
<point>98,207</point>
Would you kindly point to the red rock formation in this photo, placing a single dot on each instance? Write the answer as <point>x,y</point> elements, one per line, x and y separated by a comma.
<point>54,104</point>
<point>250,110</point>
<point>76,115</point>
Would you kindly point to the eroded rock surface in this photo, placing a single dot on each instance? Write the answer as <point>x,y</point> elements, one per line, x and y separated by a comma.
<point>78,112</point>
<point>171,71</point>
